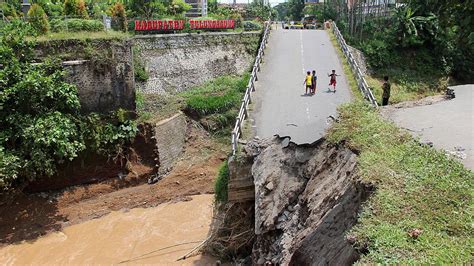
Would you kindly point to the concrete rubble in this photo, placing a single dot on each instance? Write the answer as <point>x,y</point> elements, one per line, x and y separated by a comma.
<point>306,198</point>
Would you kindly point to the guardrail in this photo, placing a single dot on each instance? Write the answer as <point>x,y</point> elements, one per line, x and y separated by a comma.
<point>361,82</point>
<point>243,112</point>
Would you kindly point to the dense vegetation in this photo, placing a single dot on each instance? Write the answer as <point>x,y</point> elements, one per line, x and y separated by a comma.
<point>42,126</point>
<point>416,43</point>
<point>421,210</point>
<point>86,15</point>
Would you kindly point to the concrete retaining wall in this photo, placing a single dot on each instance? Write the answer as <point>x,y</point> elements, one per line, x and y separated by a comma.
<point>102,70</point>
<point>170,135</point>
<point>179,62</point>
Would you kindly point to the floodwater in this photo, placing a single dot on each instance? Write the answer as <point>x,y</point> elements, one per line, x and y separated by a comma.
<point>156,236</point>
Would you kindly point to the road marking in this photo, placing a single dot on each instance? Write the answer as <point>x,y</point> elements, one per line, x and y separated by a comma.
<point>302,50</point>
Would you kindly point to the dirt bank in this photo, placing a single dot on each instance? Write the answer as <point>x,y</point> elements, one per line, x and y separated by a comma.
<point>28,216</point>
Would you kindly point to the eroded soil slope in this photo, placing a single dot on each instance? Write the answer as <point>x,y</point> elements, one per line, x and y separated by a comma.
<point>28,216</point>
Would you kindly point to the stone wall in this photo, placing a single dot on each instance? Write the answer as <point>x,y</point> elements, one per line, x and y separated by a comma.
<point>177,62</point>
<point>102,70</point>
<point>170,135</point>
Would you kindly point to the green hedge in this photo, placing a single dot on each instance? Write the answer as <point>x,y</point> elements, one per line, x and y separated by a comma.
<point>75,25</point>
<point>252,25</point>
<point>222,181</point>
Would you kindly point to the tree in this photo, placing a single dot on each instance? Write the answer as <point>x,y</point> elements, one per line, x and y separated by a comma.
<point>148,9</point>
<point>119,16</point>
<point>75,8</point>
<point>295,9</point>
<point>40,120</point>
<point>178,7</point>
<point>38,19</point>
<point>282,11</point>
<point>37,112</point>
<point>258,9</point>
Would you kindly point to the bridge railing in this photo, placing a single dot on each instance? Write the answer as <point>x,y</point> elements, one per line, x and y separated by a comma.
<point>243,112</point>
<point>361,82</point>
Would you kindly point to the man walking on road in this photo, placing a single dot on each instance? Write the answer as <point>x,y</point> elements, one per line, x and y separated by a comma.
<point>386,91</point>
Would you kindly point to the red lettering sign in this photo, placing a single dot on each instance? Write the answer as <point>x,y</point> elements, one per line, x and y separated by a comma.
<point>151,25</point>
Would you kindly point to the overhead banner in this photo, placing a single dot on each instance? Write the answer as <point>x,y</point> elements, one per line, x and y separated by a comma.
<point>163,25</point>
<point>212,24</point>
<point>149,25</point>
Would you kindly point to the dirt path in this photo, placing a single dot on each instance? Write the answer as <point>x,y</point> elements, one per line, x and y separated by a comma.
<point>28,216</point>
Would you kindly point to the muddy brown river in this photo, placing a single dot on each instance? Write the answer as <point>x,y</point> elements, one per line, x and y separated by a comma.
<point>158,235</point>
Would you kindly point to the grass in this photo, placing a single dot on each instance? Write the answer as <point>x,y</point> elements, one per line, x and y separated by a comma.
<point>417,187</point>
<point>403,90</point>
<point>351,79</point>
<point>83,35</point>
<point>215,103</point>
<point>222,180</point>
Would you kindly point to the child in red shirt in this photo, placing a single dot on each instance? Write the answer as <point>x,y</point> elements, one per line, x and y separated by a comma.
<point>332,81</point>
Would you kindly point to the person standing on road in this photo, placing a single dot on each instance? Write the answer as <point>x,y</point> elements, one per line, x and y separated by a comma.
<point>332,81</point>
<point>313,82</point>
<point>386,91</point>
<point>308,81</point>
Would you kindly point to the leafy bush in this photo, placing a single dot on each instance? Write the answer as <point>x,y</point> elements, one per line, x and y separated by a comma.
<point>252,26</point>
<point>378,53</point>
<point>140,72</point>
<point>75,25</point>
<point>38,19</point>
<point>178,7</point>
<point>75,8</point>
<point>119,17</point>
<point>40,116</point>
<point>9,11</point>
<point>222,180</point>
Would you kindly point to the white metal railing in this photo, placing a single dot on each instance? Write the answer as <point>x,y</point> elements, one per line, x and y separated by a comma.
<point>361,82</point>
<point>243,112</point>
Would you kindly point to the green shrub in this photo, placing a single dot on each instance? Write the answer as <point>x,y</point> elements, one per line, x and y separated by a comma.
<point>214,103</point>
<point>252,26</point>
<point>75,8</point>
<point>119,17</point>
<point>222,180</point>
<point>76,25</point>
<point>38,19</point>
<point>69,7</point>
<point>42,126</point>
<point>140,72</point>
<point>378,53</point>
<point>81,9</point>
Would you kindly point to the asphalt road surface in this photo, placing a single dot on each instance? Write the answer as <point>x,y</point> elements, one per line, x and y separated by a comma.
<point>449,125</point>
<point>282,107</point>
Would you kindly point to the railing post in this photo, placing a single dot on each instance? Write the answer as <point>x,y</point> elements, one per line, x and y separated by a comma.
<point>237,131</point>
